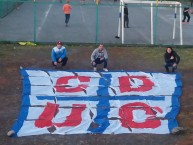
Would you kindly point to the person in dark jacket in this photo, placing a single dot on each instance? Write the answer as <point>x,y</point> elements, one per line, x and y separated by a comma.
<point>186,14</point>
<point>126,17</point>
<point>172,59</point>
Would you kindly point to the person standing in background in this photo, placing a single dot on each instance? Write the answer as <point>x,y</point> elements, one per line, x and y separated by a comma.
<point>186,14</point>
<point>67,10</point>
<point>126,17</point>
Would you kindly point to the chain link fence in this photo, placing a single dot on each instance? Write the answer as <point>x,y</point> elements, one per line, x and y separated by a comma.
<point>98,21</point>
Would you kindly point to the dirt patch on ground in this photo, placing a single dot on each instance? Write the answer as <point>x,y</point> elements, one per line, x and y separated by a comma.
<point>120,58</point>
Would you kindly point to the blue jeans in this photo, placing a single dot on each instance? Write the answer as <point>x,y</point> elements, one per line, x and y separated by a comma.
<point>67,16</point>
<point>64,61</point>
<point>98,61</point>
<point>167,65</point>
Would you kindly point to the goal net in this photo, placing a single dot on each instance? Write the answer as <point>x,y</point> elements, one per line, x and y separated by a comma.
<point>151,5</point>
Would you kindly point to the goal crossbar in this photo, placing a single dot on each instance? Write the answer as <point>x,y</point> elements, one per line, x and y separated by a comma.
<point>151,3</point>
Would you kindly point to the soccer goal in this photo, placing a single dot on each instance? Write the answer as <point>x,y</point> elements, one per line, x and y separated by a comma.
<point>152,4</point>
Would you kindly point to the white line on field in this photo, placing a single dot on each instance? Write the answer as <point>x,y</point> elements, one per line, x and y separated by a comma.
<point>44,18</point>
<point>83,18</point>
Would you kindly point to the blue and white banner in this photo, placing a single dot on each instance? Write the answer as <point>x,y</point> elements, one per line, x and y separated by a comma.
<point>64,102</point>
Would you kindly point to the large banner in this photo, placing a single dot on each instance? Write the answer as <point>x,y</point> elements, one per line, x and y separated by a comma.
<point>64,102</point>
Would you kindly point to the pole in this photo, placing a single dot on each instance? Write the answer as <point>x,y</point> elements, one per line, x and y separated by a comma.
<point>34,21</point>
<point>119,26</point>
<point>174,28</point>
<point>156,17</point>
<point>122,21</point>
<point>181,37</point>
<point>97,23</point>
<point>152,24</point>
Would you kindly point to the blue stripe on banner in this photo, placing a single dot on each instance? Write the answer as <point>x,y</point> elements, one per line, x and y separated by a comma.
<point>175,99</point>
<point>103,82</point>
<point>63,98</point>
<point>26,80</point>
<point>179,83</point>
<point>24,110</point>
<point>101,119</point>
<point>26,90</point>
<point>178,91</point>
<point>24,73</point>
<point>25,100</point>
<point>103,91</point>
<point>175,108</point>
<point>172,123</point>
<point>178,76</point>
<point>173,113</point>
<point>22,117</point>
<point>108,78</point>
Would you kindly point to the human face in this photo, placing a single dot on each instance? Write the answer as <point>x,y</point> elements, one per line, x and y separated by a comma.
<point>169,50</point>
<point>100,47</point>
<point>59,46</point>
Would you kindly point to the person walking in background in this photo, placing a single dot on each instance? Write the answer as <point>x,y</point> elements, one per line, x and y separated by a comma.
<point>186,14</point>
<point>172,59</point>
<point>126,17</point>
<point>67,9</point>
<point>98,56</point>
<point>59,55</point>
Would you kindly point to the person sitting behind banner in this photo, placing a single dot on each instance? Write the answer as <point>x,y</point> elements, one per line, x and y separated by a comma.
<point>59,55</point>
<point>98,56</point>
<point>172,59</point>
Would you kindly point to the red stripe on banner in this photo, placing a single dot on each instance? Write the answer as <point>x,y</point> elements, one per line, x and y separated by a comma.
<point>45,119</point>
<point>126,114</point>
<point>125,84</point>
<point>74,119</point>
<point>63,81</point>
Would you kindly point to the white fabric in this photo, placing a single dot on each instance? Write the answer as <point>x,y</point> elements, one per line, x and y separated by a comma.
<point>42,89</point>
<point>34,101</point>
<point>28,128</point>
<point>155,91</point>
<point>58,74</point>
<point>116,128</point>
<point>69,103</point>
<point>161,82</point>
<point>75,82</point>
<point>36,73</point>
<point>40,81</point>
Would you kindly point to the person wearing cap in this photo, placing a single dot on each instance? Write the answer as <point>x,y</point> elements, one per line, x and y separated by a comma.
<point>67,9</point>
<point>171,58</point>
<point>99,56</point>
<point>59,55</point>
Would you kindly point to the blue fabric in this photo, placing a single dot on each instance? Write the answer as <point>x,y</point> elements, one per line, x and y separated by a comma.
<point>101,120</point>
<point>22,117</point>
<point>172,123</point>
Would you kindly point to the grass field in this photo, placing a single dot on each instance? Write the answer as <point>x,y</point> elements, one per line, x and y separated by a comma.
<point>12,56</point>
